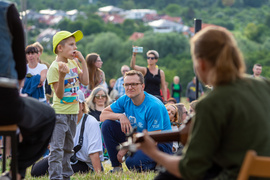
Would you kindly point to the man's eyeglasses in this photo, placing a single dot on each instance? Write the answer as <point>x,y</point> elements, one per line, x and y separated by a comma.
<point>100,96</point>
<point>133,85</point>
<point>125,70</point>
<point>152,58</point>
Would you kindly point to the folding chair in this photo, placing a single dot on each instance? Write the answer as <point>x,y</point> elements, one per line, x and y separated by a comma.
<point>253,165</point>
<point>10,130</point>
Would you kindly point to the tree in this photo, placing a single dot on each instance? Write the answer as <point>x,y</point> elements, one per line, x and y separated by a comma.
<point>127,4</point>
<point>128,26</point>
<point>173,10</point>
<point>251,31</point>
<point>110,47</point>
<point>164,43</point>
<point>267,20</point>
<point>74,26</point>
<point>92,26</point>
<point>63,25</point>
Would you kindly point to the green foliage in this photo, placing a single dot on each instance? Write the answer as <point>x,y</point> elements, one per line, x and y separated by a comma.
<point>111,40</point>
<point>74,26</point>
<point>92,26</point>
<point>173,10</point>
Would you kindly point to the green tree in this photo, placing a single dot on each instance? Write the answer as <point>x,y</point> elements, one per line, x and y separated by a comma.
<point>93,26</point>
<point>252,32</point>
<point>267,20</point>
<point>63,25</point>
<point>128,26</point>
<point>127,4</point>
<point>110,47</point>
<point>74,26</point>
<point>173,10</point>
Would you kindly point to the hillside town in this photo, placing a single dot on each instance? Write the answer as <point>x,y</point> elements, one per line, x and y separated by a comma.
<point>109,14</point>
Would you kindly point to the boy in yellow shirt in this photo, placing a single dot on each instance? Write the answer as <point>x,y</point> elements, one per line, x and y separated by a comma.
<point>64,76</point>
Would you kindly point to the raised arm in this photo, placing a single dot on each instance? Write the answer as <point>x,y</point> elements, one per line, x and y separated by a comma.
<point>134,66</point>
<point>59,86</point>
<point>163,85</point>
<point>83,76</point>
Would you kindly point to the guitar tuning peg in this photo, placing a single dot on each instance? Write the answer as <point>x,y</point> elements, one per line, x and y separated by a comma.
<point>132,131</point>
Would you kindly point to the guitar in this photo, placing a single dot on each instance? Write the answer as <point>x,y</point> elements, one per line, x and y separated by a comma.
<point>161,137</point>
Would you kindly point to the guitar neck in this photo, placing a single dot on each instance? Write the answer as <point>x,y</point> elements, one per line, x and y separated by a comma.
<point>161,136</point>
<point>170,136</point>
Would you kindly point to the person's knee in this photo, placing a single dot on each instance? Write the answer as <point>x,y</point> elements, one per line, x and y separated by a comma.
<point>106,125</point>
<point>131,164</point>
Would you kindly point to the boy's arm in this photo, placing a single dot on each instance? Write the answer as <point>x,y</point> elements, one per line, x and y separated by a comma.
<point>59,86</point>
<point>83,76</point>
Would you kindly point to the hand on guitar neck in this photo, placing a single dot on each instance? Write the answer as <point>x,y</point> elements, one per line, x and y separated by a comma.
<point>164,136</point>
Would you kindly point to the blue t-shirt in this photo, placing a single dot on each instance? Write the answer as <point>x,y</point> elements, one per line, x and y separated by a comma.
<point>150,115</point>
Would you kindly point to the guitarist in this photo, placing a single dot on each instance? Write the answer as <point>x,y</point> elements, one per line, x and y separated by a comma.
<point>135,109</point>
<point>231,119</point>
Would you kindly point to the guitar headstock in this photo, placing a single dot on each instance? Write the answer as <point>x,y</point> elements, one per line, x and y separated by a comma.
<point>130,143</point>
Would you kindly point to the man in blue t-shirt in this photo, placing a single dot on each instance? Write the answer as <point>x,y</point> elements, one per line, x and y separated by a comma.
<point>135,109</point>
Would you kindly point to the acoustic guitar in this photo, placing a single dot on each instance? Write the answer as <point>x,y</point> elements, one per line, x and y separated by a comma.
<point>161,137</point>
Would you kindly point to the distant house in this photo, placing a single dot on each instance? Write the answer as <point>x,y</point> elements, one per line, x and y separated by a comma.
<point>174,19</point>
<point>46,36</point>
<point>73,14</point>
<point>114,18</point>
<point>51,17</point>
<point>137,13</point>
<point>31,14</point>
<point>136,35</point>
<point>110,10</point>
<point>150,17</point>
<point>166,26</point>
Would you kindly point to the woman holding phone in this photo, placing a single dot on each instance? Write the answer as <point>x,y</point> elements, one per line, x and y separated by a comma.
<point>153,76</point>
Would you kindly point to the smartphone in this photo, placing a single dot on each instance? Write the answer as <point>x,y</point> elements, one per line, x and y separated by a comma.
<point>138,49</point>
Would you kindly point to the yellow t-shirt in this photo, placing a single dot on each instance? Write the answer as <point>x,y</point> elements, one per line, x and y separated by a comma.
<point>69,103</point>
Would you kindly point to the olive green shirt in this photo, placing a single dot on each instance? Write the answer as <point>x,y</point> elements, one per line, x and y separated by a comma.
<point>230,120</point>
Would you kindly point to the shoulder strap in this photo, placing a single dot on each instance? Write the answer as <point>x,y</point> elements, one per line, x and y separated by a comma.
<point>82,129</point>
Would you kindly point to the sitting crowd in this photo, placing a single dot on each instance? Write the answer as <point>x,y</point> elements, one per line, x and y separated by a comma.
<point>87,120</point>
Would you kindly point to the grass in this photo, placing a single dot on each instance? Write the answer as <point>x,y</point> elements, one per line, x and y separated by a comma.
<point>103,175</point>
<point>100,176</point>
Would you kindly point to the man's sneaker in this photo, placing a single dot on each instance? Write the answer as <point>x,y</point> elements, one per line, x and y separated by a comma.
<point>116,170</point>
<point>5,176</point>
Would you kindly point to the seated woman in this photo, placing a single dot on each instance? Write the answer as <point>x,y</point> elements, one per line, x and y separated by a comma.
<point>90,155</point>
<point>173,114</point>
<point>192,106</point>
<point>97,101</point>
<point>182,112</point>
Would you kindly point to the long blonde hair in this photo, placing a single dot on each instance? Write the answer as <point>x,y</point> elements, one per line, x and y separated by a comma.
<point>94,72</point>
<point>217,46</point>
<point>90,99</point>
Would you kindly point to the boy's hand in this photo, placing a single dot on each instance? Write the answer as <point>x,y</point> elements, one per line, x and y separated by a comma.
<point>78,54</point>
<point>63,68</point>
